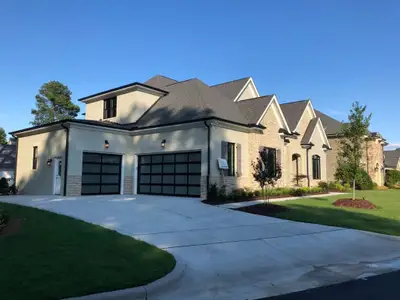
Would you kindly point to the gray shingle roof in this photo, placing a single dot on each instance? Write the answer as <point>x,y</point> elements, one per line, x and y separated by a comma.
<point>392,158</point>
<point>331,125</point>
<point>8,154</point>
<point>231,88</point>
<point>252,109</point>
<point>293,112</point>
<point>160,81</point>
<point>190,100</point>
<point>309,131</point>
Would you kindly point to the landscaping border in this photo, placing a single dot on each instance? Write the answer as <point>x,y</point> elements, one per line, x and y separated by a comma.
<point>234,205</point>
<point>140,292</point>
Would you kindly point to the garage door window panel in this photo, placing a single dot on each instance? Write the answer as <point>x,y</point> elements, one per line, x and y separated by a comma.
<point>171,174</point>
<point>101,174</point>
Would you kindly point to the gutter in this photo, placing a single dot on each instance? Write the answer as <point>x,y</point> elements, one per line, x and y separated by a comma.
<point>66,158</point>
<point>208,154</point>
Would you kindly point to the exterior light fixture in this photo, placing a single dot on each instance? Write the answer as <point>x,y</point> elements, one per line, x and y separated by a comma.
<point>49,161</point>
<point>106,144</point>
<point>163,143</point>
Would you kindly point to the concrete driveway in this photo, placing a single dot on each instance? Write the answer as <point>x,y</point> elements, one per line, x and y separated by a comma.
<point>231,254</point>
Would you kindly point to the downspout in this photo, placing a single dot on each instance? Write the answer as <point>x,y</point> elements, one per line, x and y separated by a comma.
<point>16,160</point>
<point>308,166</point>
<point>208,154</point>
<point>66,158</point>
<point>366,150</point>
<point>310,145</point>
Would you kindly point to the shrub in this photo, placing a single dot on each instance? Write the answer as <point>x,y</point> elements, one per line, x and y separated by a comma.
<point>3,217</point>
<point>323,185</point>
<point>364,181</point>
<point>4,187</point>
<point>393,179</point>
<point>13,189</point>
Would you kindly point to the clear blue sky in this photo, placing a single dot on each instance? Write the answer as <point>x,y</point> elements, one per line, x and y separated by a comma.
<point>334,52</point>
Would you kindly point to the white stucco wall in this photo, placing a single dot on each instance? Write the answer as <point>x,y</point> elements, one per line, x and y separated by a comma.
<point>50,145</point>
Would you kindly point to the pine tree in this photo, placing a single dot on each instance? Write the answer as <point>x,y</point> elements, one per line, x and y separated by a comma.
<point>53,103</point>
<point>351,145</point>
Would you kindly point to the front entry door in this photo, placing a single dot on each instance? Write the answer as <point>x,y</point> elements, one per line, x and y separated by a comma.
<point>57,176</point>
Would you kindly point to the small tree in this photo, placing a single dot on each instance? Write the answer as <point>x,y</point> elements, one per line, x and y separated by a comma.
<point>266,172</point>
<point>3,136</point>
<point>351,146</point>
<point>53,103</point>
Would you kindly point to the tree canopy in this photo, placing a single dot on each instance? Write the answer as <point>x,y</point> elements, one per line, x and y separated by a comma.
<point>53,103</point>
<point>3,136</point>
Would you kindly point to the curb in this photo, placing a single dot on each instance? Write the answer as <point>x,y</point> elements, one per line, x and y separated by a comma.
<point>140,292</point>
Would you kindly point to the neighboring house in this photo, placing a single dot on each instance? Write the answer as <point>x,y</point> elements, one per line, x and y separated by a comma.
<point>373,157</point>
<point>392,159</point>
<point>164,137</point>
<point>7,162</point>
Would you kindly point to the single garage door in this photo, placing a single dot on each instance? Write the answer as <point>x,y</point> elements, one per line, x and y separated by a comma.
<point>175,174</point>
<point>101,174</point>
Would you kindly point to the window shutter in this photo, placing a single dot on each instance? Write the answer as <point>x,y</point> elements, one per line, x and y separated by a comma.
<point>278,156</point>
<point>239,160</point>
<point>224,154</point>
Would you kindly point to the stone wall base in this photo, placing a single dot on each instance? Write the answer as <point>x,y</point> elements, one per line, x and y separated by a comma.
<point>128,185</point>
<point>74,185</point>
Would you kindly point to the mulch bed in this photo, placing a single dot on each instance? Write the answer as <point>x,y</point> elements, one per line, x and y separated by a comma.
<point>12,227</point>
<point>267,209</point>
<point>226,201</point>
<point>358,203</point>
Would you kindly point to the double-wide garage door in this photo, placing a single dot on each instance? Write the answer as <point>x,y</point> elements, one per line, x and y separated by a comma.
<point>176,174</point>
<point>101,174</point>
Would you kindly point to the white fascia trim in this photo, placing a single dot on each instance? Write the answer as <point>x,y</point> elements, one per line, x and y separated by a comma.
<point>281,115</point>
<point>250,81</point>
<point>304,111</point>
<point>321,127</point>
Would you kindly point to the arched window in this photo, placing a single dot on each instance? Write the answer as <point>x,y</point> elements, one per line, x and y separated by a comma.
<point>316,167</point>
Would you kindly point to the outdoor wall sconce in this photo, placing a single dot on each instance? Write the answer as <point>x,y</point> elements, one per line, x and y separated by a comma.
<point>49,161</point>
<point>106,144</point>
<point>163,143</point>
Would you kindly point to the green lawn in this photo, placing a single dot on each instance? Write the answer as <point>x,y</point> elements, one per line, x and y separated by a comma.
<point>54,256</point>
<point>385,219</point>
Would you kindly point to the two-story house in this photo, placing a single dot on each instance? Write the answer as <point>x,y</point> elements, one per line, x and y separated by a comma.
<point>164,137</point>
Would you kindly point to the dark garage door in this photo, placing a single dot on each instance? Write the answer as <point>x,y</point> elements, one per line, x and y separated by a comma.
<point>101,174</point>
<point>176,174</point>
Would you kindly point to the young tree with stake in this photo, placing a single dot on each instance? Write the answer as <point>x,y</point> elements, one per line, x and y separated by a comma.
<point>351,146</point>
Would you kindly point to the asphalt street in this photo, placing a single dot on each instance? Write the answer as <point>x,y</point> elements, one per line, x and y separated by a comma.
<point>381,287</point>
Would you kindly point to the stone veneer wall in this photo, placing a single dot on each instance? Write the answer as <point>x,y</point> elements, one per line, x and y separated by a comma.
<point>74,185</point>
<point>128,185</point>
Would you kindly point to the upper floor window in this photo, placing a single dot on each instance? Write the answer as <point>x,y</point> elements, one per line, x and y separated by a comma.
<point>110,108</point>
<point>34,157</point>
<point>316,167</point>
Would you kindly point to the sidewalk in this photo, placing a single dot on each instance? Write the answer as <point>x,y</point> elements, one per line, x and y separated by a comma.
<point>254,202</point>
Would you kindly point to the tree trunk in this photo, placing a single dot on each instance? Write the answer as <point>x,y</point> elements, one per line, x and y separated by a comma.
<point>354,189</point>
